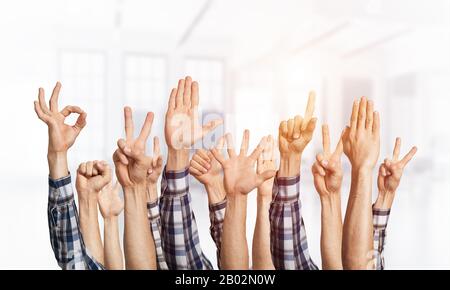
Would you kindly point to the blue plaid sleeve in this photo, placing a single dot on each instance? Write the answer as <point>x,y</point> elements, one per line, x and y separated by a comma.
<point>288,243</point>
<point>380,221</point>
<point>216,217</point>
<point>65,236</point>
<point>155,227</point>
<point>178,226</point>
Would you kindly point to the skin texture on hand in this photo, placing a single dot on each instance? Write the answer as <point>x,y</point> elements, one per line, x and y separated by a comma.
<point>182,127</point>
<point>293,137</point>
<point>390,174</point>
<point>361,143</point>
<point>261,256</point>
<point>92,176</point>
<point>60,135</point>
<point>208,171</point>
<point>240,178</point>
<point>111,205</point>
<point>327,173</point>
<point>154,172</point>
<point>132,167</point>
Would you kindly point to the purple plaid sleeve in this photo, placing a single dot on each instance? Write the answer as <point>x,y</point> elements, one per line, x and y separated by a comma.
<point>63,222</point>
<point>154,219</point>
<point>380,221</point>
<point>178,226</point>
<point>288,243</point>
<point>216,216</point>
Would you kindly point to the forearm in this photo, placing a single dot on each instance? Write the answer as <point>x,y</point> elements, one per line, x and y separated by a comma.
<point>138,244</point>
<point>234,252</point>
<point>113,252</point>
<point>90,228</point>
<point>331,232</point>
<point>261,256</point>
<point>358,228</point>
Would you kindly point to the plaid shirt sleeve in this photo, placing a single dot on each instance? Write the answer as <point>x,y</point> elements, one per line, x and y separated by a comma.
<point>155,226</point>
<point>179,229</point>
<point>288,243</point>
<point>65,236</point>
<point>380,221</point>
<point>216,216</point>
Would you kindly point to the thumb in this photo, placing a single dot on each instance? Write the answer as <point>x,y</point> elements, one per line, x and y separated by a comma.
<point>268,174</point>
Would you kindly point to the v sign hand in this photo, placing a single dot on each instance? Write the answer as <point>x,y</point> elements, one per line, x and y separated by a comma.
<point>327,170</point>
<point>390,174</point>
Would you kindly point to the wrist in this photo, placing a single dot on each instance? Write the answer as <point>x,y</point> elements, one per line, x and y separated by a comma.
<point>216,190</point>
<point>177,159</point>
<point>289,165</point>
<point>152,192</point>
<point>110,220</point>
<point>264,200</point>
<point>57,164</point>
<point>384,200</point>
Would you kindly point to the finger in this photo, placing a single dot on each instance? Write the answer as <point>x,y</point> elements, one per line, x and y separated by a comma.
<point>172,97</point>
<point>187,91</point>
<point>202,162</point>
<point>259,149</point>
<point>398,144</point>
<point>198,166</point>
<point>146,128</point>
<point>82,168</point>
<point>104,170</point>
<point>309,109</point>
<point>268,174</point>
<point>230,145</point>
<point>195,171</point>
<point>362,113</point>
<point>194,95</point>
<point>203,154</point>
<point>81,122</point>
<point>119,156</point>
<point>283,129</point>
<point>270,148</point>
<point>297,126</point>
<point>218,156</point>
<point>354,117</point>
<point>369,115</point>
<point>122,144</point>
<point>156,147</point>
<point>245,143</point>
<point>259,163</point>
<point>220,143</point>
<point>54,98</point>
<point>317,169</point>
<point>408,156</point>
<point>180,93</point>
<point>290,126</point>
<point>37,108</point>
<point>383,170</point>
<point>129,126</point>
<point>210,126</point>
<point>310,128</point>
<point>376,123</point>
<point>71,109</point>
<point>89,167</point>
<point>326,139</point>
<point>42,103</point>
<point>339,147</point>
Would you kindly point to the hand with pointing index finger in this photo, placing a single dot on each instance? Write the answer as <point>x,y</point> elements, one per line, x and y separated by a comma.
<point>296,133</point>
<point>327,170</point>
<point>390,174</point>
<point>61,135</point>
<point>132,164</point>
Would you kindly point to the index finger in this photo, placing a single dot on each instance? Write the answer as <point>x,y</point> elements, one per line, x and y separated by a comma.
<point>129,126</point>
<point>396,154</point>
<point>309,109</point>
<point>146,128</point>
<point>408,156</point>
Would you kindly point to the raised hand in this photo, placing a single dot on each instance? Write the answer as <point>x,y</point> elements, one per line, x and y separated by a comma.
<point>208,171</point>
<point>390,174</point>
<point>183,128</point>
<point>61,135</point>
<point>362,139</point>
<point>266,162</point>
<point>92,176</point>
<point>109,201</point>
<point>327,170</point>
<point>154,172</point>
<point>240,176</point>
<point>132,164</point>
<point>296,133</point>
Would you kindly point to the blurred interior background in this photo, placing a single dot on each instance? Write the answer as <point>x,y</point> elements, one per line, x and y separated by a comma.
<point>256,61</point>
